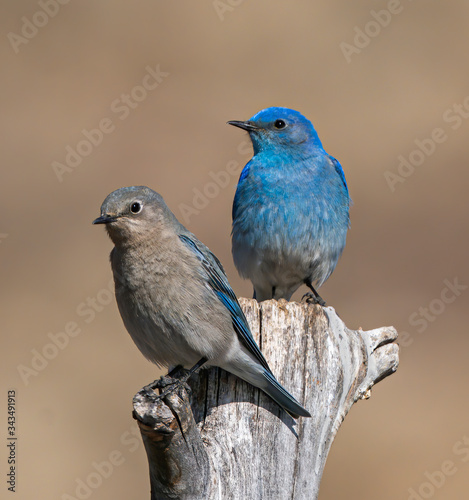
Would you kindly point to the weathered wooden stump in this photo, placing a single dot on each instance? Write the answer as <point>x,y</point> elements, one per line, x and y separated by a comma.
<point>230,441</point>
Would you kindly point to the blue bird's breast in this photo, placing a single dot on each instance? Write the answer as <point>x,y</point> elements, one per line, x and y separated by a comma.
<point>290,213</point>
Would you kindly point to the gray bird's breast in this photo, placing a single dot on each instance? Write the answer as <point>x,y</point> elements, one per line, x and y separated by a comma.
<point>168,311</point>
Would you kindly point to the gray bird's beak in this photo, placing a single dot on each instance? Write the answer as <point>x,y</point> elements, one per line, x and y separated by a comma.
<point>249,126</point>
<point>105,219</point>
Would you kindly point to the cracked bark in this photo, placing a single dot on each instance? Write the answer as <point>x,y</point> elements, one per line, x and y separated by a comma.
<point>230,440</point>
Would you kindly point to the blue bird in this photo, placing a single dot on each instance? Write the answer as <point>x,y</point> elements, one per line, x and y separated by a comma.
<point>174,296</point>
<point>291,207</point>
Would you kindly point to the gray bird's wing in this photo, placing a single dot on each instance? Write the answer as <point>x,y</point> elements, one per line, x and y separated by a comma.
<point>218,282</point>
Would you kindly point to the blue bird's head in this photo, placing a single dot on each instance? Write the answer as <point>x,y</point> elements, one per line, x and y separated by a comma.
<point>280,128</point>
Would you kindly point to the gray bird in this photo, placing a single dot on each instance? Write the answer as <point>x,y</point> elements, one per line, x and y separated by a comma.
<point>174,296</point>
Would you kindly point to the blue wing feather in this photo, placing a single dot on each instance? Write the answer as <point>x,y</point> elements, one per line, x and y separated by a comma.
<point>244,174</point>
<point>339,170</point>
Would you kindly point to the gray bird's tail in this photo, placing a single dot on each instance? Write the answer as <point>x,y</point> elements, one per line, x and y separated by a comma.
<point>282,397</point>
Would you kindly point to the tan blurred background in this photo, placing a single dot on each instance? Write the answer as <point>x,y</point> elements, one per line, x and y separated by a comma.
<point>370,100</point>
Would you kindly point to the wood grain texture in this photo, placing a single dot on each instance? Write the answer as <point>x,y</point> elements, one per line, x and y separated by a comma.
<point>238,444</point>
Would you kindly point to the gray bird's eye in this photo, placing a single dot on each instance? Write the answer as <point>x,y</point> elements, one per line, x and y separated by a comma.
<point>136,207</point>
<point>279,124</point>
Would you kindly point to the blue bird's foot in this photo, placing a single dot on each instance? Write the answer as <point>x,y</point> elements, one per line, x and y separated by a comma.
<point>310,298</point>
<point>315,298</point>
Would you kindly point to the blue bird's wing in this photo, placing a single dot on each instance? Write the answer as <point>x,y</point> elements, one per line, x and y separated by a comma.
<point>219,284</point>
<point>244,174</point>
<point>339,170</point>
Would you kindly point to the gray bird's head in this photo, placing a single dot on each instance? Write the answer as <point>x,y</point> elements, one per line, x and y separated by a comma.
<point>277,130</point>
<point>130,213</point>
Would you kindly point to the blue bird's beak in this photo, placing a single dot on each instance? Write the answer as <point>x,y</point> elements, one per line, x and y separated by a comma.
<point>105,219</point>
<point>249,126</point>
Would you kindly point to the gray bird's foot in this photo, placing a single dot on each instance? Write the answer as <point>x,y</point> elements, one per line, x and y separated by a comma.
<point>176,378</point>
<point>166,385</point>
<point>310,298</point>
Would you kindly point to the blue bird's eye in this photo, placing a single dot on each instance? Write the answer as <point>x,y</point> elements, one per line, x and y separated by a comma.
<point>279,124</point>
<point>136,207</point>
